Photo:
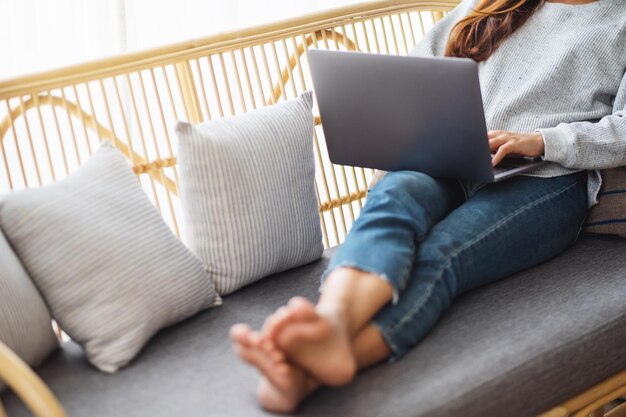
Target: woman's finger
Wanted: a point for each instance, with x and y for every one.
(495, 143)
(495, 133)
(501, 153)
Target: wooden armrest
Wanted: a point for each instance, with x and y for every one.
(27, 385)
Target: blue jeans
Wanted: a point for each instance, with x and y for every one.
(432, 239)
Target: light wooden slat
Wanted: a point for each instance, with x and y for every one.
(59, 135)
(30, 141)
(205, 101)
(421, 20)
(403, 33)
(226, 84)
(257, 73)
(170, 95)
(290, 67)
(141, 137)
(188, 92)
(188, 106)
(281, 80)
(242, 100)
(244, 61)
(379, 22)
(6, 161)
(414, 39)
(394, 38)
(82, 117)
(92, 108)
(68, 113)
(216, 89)
(107, 107)
(42, 126)
(11, 124)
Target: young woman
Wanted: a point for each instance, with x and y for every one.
(553, 84)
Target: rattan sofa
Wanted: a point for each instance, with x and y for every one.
(547, 341)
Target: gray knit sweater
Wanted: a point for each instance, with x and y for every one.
(562, 73)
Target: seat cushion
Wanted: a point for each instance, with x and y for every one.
(513, 348)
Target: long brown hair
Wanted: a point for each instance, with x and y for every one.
(478, 35)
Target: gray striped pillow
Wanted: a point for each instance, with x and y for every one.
(25, 324)
(247, 187)
(109, 268)
(609, 215)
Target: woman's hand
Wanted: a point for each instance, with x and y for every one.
(514, 144)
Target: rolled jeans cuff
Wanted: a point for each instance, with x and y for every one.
(367, 269)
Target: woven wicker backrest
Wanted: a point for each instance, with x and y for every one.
(50, 123)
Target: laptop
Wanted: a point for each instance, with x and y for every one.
(407, 113)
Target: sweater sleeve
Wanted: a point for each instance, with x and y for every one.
(587, 145)
(435, 41)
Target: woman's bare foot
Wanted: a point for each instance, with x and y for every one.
(283, 385)
(298, 309)
(286, 400)
(318, 341)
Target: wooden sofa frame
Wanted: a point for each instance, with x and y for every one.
(51, 122)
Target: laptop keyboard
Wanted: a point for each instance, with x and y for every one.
(500, 169)
(508, 163)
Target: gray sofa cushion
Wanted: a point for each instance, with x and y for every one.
(544, 334)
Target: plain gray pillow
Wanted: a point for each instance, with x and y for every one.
(25, 323)
(109, 268)
(248, 192)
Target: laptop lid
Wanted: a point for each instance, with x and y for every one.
(403, 113)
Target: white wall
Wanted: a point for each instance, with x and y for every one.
(37, 35)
